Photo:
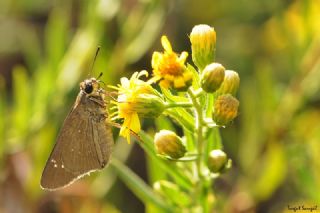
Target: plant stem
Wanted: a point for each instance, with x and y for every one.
(199, 127)
(202, 189)
(179, 104)
(198, 92)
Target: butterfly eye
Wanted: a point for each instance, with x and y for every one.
(88, 88)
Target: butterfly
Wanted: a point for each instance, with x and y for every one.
(85, 141)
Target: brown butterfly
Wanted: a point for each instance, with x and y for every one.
(85, 141)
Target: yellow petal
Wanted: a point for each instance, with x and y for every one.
(131, 123)
(179, 82)
(153, 79)
(143, 73)
(183, 57)
(156, 57)
(124, 132)
(169, 77)
(187, 76)
(135, 123)
(165, 84)
(124, 82)
(166, 44)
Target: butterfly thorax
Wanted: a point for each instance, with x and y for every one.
(91, 96)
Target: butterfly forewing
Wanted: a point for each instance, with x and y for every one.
(84, 144)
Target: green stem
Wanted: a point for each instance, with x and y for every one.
(198, 92)
(179, 104)
(203, 186)
(199, 127)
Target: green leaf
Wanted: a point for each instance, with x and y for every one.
(187, 158)
(190, 140)
(272, 172)
(181, 115)
(172, 193)
(154, 174)
(163, 122)
(21, 110)
(56, 34)
(146, 34)
(184, 118)
(213, 141)
(173, 98)
(196, 77)
(3, 120)
(138, 186)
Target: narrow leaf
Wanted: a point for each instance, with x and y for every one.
(138, 186)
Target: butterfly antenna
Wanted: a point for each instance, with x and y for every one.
(94, 60)
(100, 75)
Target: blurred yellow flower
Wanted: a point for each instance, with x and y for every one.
(170, 68)
(135, 97)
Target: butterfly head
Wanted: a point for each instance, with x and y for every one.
(90, 86)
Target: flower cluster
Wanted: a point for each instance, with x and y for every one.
(137, 98)
(200, 98)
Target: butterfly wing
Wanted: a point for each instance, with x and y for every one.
(84, 145)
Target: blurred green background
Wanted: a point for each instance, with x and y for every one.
(47, 47)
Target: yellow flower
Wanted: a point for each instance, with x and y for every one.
(170, 68)
(135, 97)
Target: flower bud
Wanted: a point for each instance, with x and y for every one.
(203, 44)
(225, 109)
(167, 143)
(230, 83)
(212, 77)
(217, 160)
(149, 105)
(146, 105)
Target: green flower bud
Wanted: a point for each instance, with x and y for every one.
(203, 45)
(217, 160)
(212, 77)
(230, 83)
(149, 105)
(167, 143)
(225, 109)
(146, 105)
